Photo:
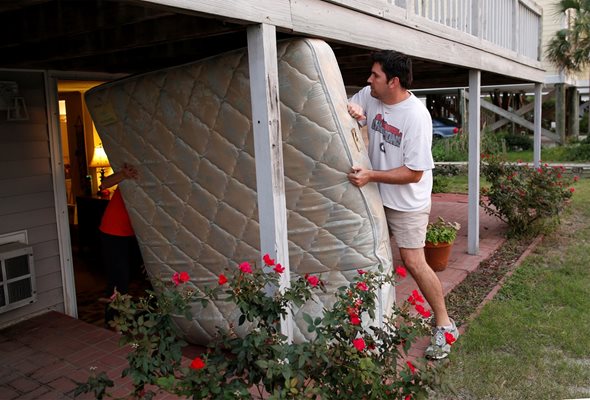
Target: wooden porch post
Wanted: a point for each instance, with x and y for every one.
(573, 120)
(537, 121)
(560, 111)
(268, 150)
(474, 157)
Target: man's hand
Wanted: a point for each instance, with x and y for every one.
(359, 176)
(356, 112)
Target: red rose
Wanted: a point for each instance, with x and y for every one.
(279, 269)
(245, 267)
(359, 344)
(184, 277)
(422, 311)
(268, 261)
(313, 280)
(450, 338)
(222, 279)
(197, 363)
(401, 271)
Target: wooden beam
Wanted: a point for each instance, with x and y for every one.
(129, 36)
(275, 12)
(521, 111)
(268, 151)
(332, 22)
(517, 119)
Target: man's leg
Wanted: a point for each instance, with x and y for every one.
(428, 283)
(409, 229)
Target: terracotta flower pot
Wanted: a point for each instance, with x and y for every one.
(437, 255)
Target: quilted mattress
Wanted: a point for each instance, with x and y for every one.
(194, 208)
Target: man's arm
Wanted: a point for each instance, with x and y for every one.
(397, 176)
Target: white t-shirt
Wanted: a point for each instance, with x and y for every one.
(400, 134)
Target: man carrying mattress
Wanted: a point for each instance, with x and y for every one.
(400, 140)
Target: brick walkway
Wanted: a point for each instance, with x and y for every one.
(43, 357)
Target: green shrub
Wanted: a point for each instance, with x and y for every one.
(578, 152)
(451, 149)
(518, 142)
(524, 197)
(493, 142)
(584, 124)
(350, 357)
(457, 147)
(440, 184)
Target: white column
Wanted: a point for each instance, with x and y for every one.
(537, 122)
(474, 157)
(268, 149)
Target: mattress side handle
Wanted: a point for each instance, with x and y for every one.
(355, 136)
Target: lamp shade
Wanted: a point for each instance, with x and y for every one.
(99, 158)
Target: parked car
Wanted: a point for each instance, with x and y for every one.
(444, 128)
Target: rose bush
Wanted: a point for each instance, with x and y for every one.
(350, 357)
(524, 197)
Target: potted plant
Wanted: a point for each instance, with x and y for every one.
(440, 236)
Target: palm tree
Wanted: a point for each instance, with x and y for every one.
(569, 49)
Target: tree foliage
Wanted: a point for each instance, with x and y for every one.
(570, 47)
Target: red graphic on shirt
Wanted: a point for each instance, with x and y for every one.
(390, 133)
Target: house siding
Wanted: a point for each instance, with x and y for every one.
(553, 22)
(27, 199)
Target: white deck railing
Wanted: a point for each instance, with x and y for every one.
(511, 24)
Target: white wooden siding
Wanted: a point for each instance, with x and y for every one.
(497, 26)
(530, 27)
(26, 192)
(510, 24)
(456, 14)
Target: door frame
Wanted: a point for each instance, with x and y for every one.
(59, 182)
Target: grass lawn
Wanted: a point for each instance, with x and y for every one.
(532, 341)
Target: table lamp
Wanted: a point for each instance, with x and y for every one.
(100, 160)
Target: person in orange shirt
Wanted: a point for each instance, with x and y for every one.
(120, 252)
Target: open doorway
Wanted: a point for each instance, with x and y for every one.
(83, 167)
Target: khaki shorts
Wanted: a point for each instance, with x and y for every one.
(408, 228)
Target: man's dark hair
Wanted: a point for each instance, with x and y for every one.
(395, 64)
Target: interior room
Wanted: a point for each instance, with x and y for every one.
(85, 164)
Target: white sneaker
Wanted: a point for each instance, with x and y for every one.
(439, 345)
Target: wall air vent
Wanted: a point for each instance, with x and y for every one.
(17, 276)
